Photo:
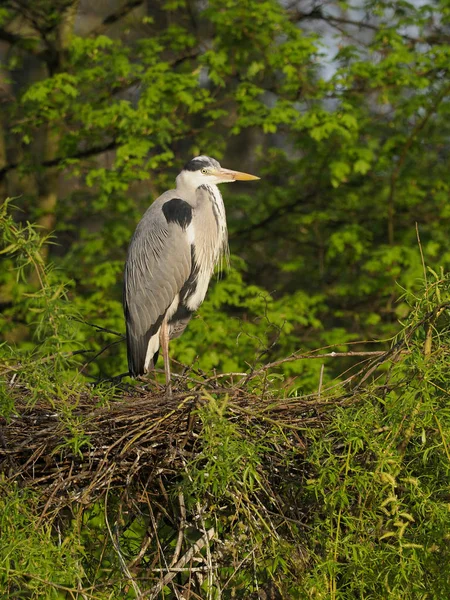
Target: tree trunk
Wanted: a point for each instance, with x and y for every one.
(48, 186)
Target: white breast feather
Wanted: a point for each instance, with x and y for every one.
(221, 245)
(190, 232)
(195, 299)
(209, 252)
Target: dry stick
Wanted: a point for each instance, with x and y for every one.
(161, 552)
(208, 553)
(152, 426)
(144, 547)
(309, 355)
(238, 566)
(181, 570)
(99, 353)
(395, 351)
(193, 550)
(423, 260)
(291, 357)
(320, 380)
(115, 544)
(59, 484)
(181, 529)
(99, 328)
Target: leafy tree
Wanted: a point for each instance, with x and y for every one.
(341, 108)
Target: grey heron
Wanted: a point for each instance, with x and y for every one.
(171, 258)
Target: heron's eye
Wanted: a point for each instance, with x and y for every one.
(205, 171)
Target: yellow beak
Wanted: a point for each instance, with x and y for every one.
(236, 175)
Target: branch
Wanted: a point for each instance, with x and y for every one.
(181, 529)
(99, 328)
(283, 210)
(24, 43)
(54, 162)
(317, 14)
(11, 38)
(274, 215)
(121, 12)
(193, 550)
(309, 356)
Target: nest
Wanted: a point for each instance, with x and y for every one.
(139, 436)
(140, 442)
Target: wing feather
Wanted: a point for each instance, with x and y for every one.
(158, 264)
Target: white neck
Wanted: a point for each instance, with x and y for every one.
(188, 182)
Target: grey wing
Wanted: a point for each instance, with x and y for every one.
(158, 264)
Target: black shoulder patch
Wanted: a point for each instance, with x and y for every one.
(178, 211)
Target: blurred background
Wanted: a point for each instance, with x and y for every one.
(342, 109)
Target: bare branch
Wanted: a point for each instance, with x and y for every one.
(11, 38)
(120, 13)
(181, 529)
(54, 162)
(276, 214)
(193, 550)
(438, 37)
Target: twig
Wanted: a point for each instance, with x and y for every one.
(311, 356)
(320, 380)
(193, 550)
(181, 529)
(144, 547)
(99, 328)
(115, 543)
(182, 570)
(99, 353)
(112, 18)
(208, 552)
(424, 269)
(160, 549)
(94, 151)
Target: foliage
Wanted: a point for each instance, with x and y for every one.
(339, 494)
(46, 308)
(345, 118)
(34, 563)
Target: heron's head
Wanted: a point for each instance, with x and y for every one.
(204, 170)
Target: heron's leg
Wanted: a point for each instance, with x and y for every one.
(164, 340)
